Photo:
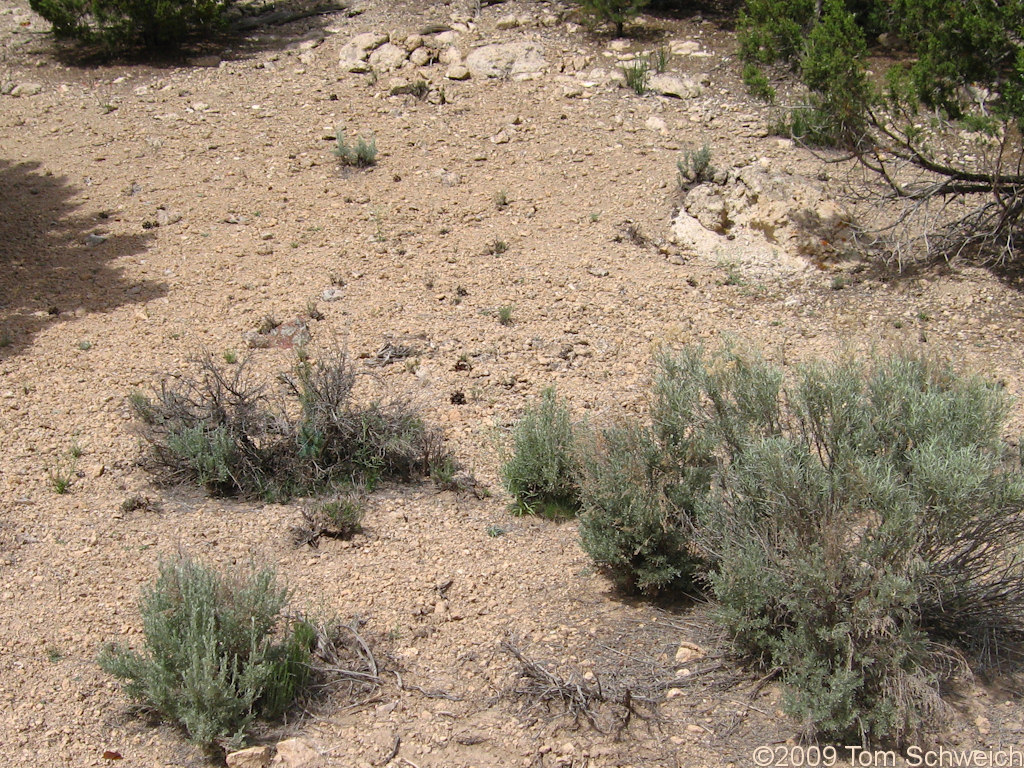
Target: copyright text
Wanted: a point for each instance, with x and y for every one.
(796, 756)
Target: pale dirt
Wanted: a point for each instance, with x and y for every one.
(101, 148)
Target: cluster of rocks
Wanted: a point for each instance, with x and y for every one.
(385, 54)
(405, 58)
(758, 213)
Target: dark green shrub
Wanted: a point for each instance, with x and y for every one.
(757, 83)
(542, 471)
(633, 525)
(122, 24)
(217, 654)
(614, 12)
(962, 63)
(221, 431)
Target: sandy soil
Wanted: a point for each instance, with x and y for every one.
(268, 221)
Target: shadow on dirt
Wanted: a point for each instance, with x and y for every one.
(52, 260)
(251, 28)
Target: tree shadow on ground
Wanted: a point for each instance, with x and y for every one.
(49, 270)
(252, 27)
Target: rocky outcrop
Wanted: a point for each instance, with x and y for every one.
(515, 61)
(759, 214)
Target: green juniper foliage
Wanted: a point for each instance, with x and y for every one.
(614, 12)
(949, 107)
(122, 24)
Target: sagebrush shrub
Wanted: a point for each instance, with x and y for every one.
(223, 431)
(869, 540)
(122, 24)
(217, 653)
(632, 524)
(859, 524)
(541, 473)
(695, 167)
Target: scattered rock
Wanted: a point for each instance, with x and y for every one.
(332, 293)
(501, 137)
(387, 58)
(354, 66)
(688, 652)
(412, 42)
(674, 85)
(458, 72)
(27, 89)
(254, 757)
(353, 55)
(758, 215)
(296, 753)
(655, 123)
(450, 55)
(94, 240)
(294, 333)
(684, 47)
(399, 86)
(708, 205)
(368, 41)
(518, 61)
(511, 21)
(165, 217)
(420, 57)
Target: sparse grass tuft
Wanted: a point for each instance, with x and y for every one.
(505, 315)
(339, 517)
(638, 74)
(498, 247)
(362, 155)
(660, 59)
(64, 469)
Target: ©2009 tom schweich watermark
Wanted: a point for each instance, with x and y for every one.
(796, 756)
